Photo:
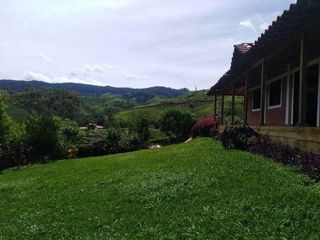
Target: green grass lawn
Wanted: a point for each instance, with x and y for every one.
(187, 191)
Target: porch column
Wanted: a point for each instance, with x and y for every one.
(222, 108)
(245, 104)
(303, 81)
(215, 104)
(232, 107)
(288, 101)
(318, 119)
(263, 93)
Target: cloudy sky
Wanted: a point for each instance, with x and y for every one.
(132, 43)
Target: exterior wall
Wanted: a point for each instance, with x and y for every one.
(273, 116)
(253, 116)
(307, 139)
(281, 116)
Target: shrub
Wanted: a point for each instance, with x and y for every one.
(15, 154)
(4, 122)
(141, 127)
(310, 163)
(92, 149)
(117, 140)
(69, 132)
(176, 124)
(42, 134)
(13, 150)
(206, 127)
(50, 138)
(245, 138)
(237, 137)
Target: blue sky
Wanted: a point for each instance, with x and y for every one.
(128, 43)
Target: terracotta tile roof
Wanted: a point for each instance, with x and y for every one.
(243, 48)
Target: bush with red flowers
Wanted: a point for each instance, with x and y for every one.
(206, 127)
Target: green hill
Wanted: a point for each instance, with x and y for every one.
(189, 191)
(97, 108)
(197, 103)
(141, 95)
(95, 102)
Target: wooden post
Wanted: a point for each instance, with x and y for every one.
(318, 119)
(215, 104)
(288, 102)
(263, 93)
(232, 107)
(222, 108)
(303, 81)
(245, 104)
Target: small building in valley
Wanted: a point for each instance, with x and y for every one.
(279, 77)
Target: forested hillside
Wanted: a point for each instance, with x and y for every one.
(82, 103)
(141, 95)
(197, 103)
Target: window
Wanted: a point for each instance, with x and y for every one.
(256, 98)
(275, 89)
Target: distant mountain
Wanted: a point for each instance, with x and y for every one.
(142, 95)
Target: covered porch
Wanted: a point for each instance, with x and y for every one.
(279, 79)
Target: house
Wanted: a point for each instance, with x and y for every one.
(279, 77)
(91, 126)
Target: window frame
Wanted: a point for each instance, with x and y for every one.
(281, 93)
(252, 99)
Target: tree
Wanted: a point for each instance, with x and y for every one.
(50, 137)
(142, 129)
(42, 135)
(49, 102)
(69, 132)
(177, 124)
(13, 151)
(4, 121)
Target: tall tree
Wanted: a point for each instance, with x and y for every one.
(49, 102)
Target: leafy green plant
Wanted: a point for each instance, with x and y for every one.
(309, 162)
(69, 132)
(117, 140)
(237, 137)
(142, 129)
(49, 102)
(177, 124)
(13, 150)
(50, 138)
(4, 122)
(42, 134)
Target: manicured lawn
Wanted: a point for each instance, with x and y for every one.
(188, 191)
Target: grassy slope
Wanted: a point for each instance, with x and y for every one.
(197, 103)
(195, 191)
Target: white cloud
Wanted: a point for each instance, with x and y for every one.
(259, 22)
(264, 26)
(29, 76)
(247, 24)
(92, 69)
(162, 42)
(44, 57)
(134, 77)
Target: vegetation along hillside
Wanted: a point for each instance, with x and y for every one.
(188, 191)
(100, 108)
(196, 102)
(93, 103)
(142, 94)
